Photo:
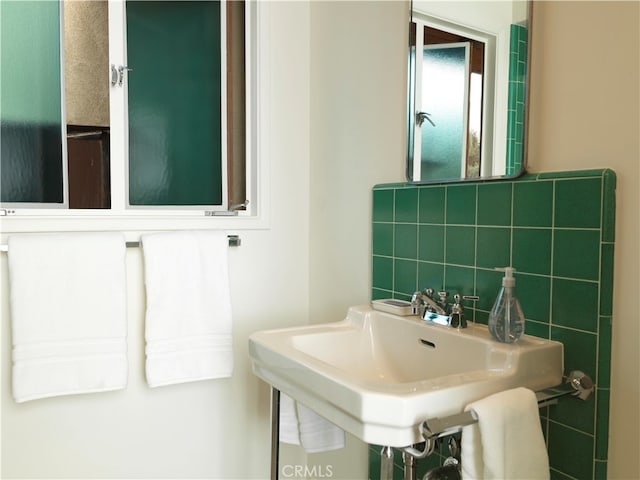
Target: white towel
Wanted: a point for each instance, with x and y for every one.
(507, 441)
(68, 313)
(302, 426)
(188, 318)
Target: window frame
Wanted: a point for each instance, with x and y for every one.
(18, 217)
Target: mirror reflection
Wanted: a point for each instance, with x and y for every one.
(466, 90)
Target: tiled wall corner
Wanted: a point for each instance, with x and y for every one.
(518, 42)
(557, 230)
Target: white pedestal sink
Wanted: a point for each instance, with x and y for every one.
(379, 375)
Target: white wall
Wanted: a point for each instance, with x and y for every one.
(358, 84)
(210, 429)
(585, 113)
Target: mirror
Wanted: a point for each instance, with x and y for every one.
(467, 90)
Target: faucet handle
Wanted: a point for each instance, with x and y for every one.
(467, 297)
(443, 296)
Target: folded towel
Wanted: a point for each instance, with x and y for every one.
(507, 441)
(68, 313)
(188, 317)
(302, 426)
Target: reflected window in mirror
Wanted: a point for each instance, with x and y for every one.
(447, 95)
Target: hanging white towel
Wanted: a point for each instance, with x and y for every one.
(68, 313)
(302, 426)
(507, 441)
(188, 317)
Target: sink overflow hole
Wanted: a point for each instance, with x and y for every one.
(427, 343)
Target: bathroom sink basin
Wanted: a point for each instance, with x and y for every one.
(378, 375)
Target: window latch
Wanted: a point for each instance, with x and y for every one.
(117, 74)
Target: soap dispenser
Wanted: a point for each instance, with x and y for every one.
(506, 320)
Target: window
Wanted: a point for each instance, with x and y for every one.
(446, 102)
(135, 108)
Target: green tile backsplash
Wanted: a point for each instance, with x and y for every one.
(557, 230)
(518, 42)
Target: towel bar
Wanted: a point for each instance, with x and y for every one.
(577, 385)
(234, 241)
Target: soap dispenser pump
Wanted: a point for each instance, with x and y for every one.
(506, 320)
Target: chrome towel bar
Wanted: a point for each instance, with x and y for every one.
(577, 384)
(234, 241)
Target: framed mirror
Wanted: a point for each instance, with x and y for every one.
(467, 90)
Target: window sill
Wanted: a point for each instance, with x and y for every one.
(89, 223)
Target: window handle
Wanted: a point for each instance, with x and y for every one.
(117, 74)
(422, 116)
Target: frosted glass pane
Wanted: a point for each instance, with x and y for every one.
(444, 97)
(175, 155)
(30, 117)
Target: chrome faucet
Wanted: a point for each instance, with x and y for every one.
(424, 305)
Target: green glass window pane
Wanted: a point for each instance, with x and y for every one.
(175, 155)
(30, 102)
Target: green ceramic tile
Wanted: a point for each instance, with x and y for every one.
(533, 204)
(488, 283)
(403, 296)
(604, 353)
(534, 293)
(570, 305)
(480, 316)
(374, 464)
(602, 423)
(532, 250)
(570, 451)
(575, 304)
(574, 413)
(600, 470)
(576, 254)
(431, 207)
(430, 275)
(556, 475)
(431, 243)
(493, 247)
(377, 294)
(609, 206)
(382, 273)
(406, 205)
(424, 465)
(494, 203)
(537, 329)
(382, 238)
(461, 204)
(391, 186)
(575, 174)
(527, 177)
(383, 205)
(579, 349)
(578, 203)
(458, 280)
(460, 245)
(606, 279)
(405, 274)
(405, 243)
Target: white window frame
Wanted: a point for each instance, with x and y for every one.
(58, 217)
